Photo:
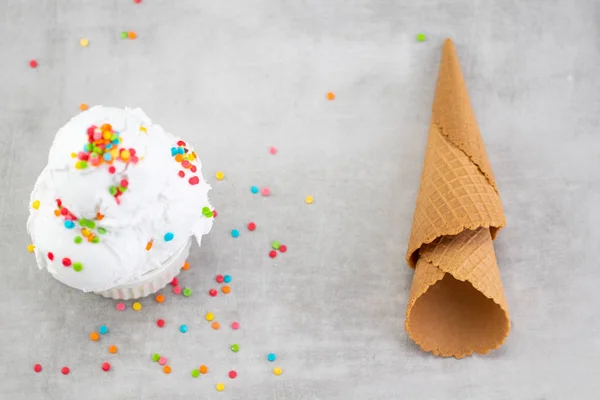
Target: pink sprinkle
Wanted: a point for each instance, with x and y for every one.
(193, 168)
(33, 64)
(97, 135)
(185, 164)
(181, 174)
(162, 361)
(194, 180)
(219, 278)
(120, 306)
(235, 326)
(273, 150)
(112, 169)
(265, 191)
(176, 289)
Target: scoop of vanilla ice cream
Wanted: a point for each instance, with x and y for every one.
(118, 197)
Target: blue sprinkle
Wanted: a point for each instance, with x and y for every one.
(173, 151)
(227, 279)
(183, 328)
(108, 146)
(235, 233)
(169, 236)
(254, 189)
(87, 147)
(116, 141)
(103, 329)
(271, 357)
(181, 150)
(107, 157)
(69, 224)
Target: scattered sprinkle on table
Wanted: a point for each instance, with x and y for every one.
(186, 266)
(235, 233)
(235, 326)
(84, 42)
(183, 328)
(112, 349)
(265, 191)
(421, 37)
(213, 292)
(219, 279)
(131, 35)
(330, 96)
(195, 373)
(149, 245)
(283, 248)
(94, 336)
(254, 189)
(220, 175)
(203, 369)
(187, 292)
(103, 329)
(232, 374)
(124, 35)
(251, 226)
(33, 64)
(308, 199)
(162, 361)
(271, 357)
(30, 248)
(137, 306)
(37, 368)
(272, 254)
(169, 236)
(275, 244)
(174, 282)
(155, 357)
(159, 298)
(277, 371)
(216, 326)
(226, 289)
(65, 370)
(177, 289)
(137, 1)
(220, 387)
(167, 369)
(235, 348)
(105, 367)
(273, 150)
(209, 316)
(83, 107)
(160, 323)
(227, 278)
(120, 306)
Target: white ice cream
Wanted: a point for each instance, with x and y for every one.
(158, 201)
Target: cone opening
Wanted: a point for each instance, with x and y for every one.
(452, 318)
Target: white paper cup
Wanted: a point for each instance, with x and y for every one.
(152, 281)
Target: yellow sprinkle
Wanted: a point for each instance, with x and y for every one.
(309, 199)
(220, 175)
(106, 135)
(84, 42)
(210, 316)
(30, 248)
(73, 155)
(277, 371)
(35, 204)
(143, 129)
(85, 232)
(220, 387)
(125, 155)
(137, 306)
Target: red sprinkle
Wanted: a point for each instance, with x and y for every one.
(37, 368)
(175, 282)
(232, 374)
(213, 292)
(65, 370)
(181, 143)
(124, 183)
(66, 262)
(112, 169)
(251, 226)
(58, 202)
(283, 248)
(181, 174)
(272, 254)
(185, 164)
(33, 64)
(64, 211)
(215, 214)
(194, 180)
(51, 256)
(193, 168)
(219, 279)
(160, 323)
(105, 366)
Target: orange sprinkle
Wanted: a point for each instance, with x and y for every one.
(186, 266)
(167, 369)
(330, 96)
(99, 216)
(83, 106)
(132, 35)
(225, 289)
(149, 245)
(57, 213)
(203, 369)
(94, 336)
(90, 238)
(159, 298)
(179, 157)
(215, 325)
(106, 127)
(112, 349)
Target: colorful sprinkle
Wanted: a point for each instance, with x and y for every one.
(220, 387)
(212, 292)
(195, 373)
(33, 64)
(103, 329)
(187, 292)
(275, 244)
(84, 42)
(155, 357)
(235, 348)
(421, 37)
(232, 374)
(235, 233)
(226, 289)
(123, 35)
(308, 199)
(94, 336)
(169, 236)
(66, 262)
(176, 289)
(273, 150)
(69, 224)
(65, 370)
(162, 361)
(149, 245)
(83, 107)
(37, 368)
(159, 298)
(194, 180)
(271, 357)
(186, 266)
(220, 175)
(330, 96)
(209, 316)
(219, 279)
(272, 254)
(277, 371)
(35, 204)
(132, 35)
(137, 306)
(283, 248)
(265, 191)
(227, 278)
(183, 328)
(167, 369)
(174, 282)
(251, 226)
(77, 267)
(203, 369)
(254, 189)
(112, 349)
(30, 247)
(160, 323)
(235, 326)
(215, 325)
(120, 307)
(50, 256)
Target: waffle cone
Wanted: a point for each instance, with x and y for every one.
(456, 304)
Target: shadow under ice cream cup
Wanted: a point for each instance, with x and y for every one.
(152, 281)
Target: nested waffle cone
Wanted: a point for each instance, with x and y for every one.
(456, 304)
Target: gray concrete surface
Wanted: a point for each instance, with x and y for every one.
(235, 77)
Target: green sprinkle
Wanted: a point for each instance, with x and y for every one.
(96, 239)
(421, 37)
(90, 224)
(155, 357)
(82, 164)
(83, 222)
(112, 190)
(195, 373)
(122, 189)
(77, 266)
(78, 239)
(123, 35)
(235, 348)
(187, 292)
(275, 245)
(88, 147)
(101, 230)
